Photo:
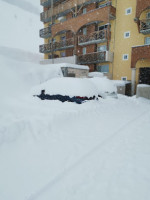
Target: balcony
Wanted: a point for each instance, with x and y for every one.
(95, 57)
(45, 33)
(47, 3)
(139, 53)
(45, 48)
(94, 38)
(64, 44)
(65, 7)
(57, 46)
(141, 5)
(145, 26)
(45, 16)
(74, 24)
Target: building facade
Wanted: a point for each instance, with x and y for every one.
(112, 36)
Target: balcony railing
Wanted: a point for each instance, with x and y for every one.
(145, 26)
(45, 33)
(45, 48)
(48, 2)
(95, 57)
(67, 6)
(95, 37)
(63, 44)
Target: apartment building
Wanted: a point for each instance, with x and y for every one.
(112, 36)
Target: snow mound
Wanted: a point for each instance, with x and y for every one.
(103, 85)
(67, 86)
(96, 74)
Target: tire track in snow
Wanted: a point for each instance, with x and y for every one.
(62, 175)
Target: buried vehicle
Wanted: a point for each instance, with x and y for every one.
(76, 90)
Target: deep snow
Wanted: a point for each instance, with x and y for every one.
(62, 151)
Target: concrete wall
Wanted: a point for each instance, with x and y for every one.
(71, 60)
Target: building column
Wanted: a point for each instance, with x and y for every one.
(133, 81)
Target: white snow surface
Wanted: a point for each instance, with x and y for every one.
(53, 150)
(143, 85)
(69, 65)
(67, 86)
(96, 74)
(62, 151)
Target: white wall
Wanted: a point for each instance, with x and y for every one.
(70, 59)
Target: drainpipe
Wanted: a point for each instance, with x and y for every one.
(75, 46)
(52, 24)
(133, 81)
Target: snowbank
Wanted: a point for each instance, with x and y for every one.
(103, 85)
(67, 86)
(96, 74)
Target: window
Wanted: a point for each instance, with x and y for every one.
(63, 38)
(103, 27)
(62, 19)
(148, 15)
(105, 4)
(125, 56)
(127, 34)
(147, 40)
(102, 48)
(54, 40)
(124, 78)
(84, 31)
(62, 54)
(128, 11)
(84, 10)
(84, 50)
(103, 68)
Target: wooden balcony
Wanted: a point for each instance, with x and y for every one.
(45, 33)
(94, 38)
(145, 26)
(45, 48)
(64, 44)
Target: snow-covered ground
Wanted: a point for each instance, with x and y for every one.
(62, 151)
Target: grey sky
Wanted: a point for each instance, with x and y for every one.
(32, 7)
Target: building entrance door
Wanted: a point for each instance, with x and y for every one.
(144, 76)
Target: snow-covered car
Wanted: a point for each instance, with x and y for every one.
(75, 89)
(106, 88)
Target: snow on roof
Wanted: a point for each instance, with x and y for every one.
(96, 74)
(120, 82)
(73, 66)
(143, 85)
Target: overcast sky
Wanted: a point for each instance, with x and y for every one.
(32, 6)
